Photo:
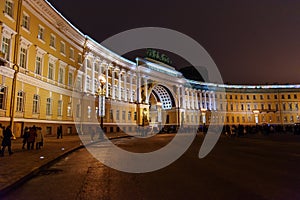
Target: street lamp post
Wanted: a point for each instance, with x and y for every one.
(101, 99)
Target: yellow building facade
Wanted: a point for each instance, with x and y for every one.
(49, 77)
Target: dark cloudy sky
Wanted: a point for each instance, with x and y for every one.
(252, 42)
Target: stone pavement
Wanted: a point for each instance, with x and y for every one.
(23, 163)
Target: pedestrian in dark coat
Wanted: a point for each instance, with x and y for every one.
(31, 138)
(25, 136)
(6, 141)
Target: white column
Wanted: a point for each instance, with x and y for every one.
(85, 74)
(192, 99)
(183, 102)
(106, 77)
(210, 100)
(178, 96)
(201, 103)
(214, 101)
(130, 88)
(138, 88)
(197, 102)
(146, 89)
(205, 100)
(188, 98)
(93, 78)
(125, 86)
(112, 87)
(119, 86)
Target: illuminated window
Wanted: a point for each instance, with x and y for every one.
(41, 33)
(89, 111)
(78, 110)
(69, 110)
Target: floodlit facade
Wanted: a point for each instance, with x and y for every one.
(49, 77)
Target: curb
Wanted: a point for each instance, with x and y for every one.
(35, 171)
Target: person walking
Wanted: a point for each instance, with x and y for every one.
(25, 136)
(6, 141)
(59, 132)
(39, 138)
(31, 138)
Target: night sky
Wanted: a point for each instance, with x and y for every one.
(251, 42)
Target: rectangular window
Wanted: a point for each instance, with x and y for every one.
(9, 8)
(262, 106)
(296, 106)
(275, 96)
(129, 115)
(89, 111)
(254, 97)
(79, 83)
(291, 106)
(20, 101)
(89, 63)
(289, 96)
(117, 115)
(79, 58)
(3, 97)
(71, 54)
(283, 106)
(6, 47)
(23, 57)
(49, 106)
(70, 79)
(135, 116)
(41, 33)
(78, 110)
(61, 75)
(247, 97)
(295, 96)
(36, 104)
(111, 114)
(282, 96)
(261, 97)
(25, 21)
(88, 83)
(269, 107)
(69, 110)
(59, 107)
(38, 65)
(52, 41)
(123, 115)
(51, 71)
(62, 47)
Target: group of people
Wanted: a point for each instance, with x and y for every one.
(33, 136)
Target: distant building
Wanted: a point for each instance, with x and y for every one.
(56, 70)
